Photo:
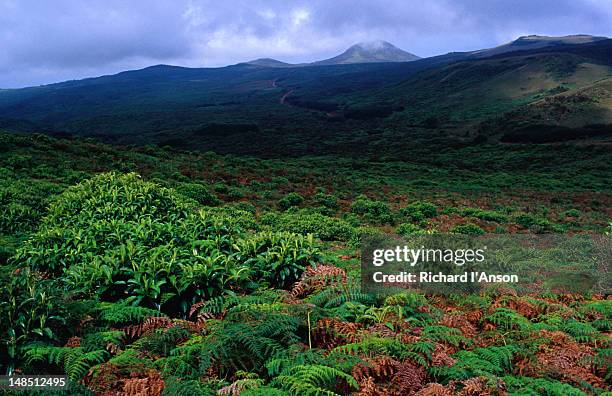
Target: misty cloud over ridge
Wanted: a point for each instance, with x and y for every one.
(43, 42)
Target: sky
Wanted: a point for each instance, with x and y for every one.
(50, 41)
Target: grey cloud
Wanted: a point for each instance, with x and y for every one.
(42, 42)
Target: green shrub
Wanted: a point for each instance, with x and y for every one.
(290, 200)
(302, 222)
(376, 212)
(362, 233)
(115, 236)
(468, 228)
(221, 188)
(419, 211)
(327, 200)
(536, 223)
(571, 213)
(278, 257)
(408, 229)
(198, 193)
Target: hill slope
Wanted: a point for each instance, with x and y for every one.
(347, 108)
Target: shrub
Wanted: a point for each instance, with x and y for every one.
(419, 211)
(408, 229)
(115, 235)
(468, 228)
(362, 233)
(328, 200)
(376, 212)
(301, 222)
(278, 257)
(198, 192)
(571, 213)
(536, 223)
(290, 200)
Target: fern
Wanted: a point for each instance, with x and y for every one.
(419, 352)
(448, 335)
(264, 391)
(312, 380)
(582, 332)
(74, 361)
(122, 313)
(526, 386)
(240, 344)
(486, 362)
(508, 319)
(336, 296)
(176, 387)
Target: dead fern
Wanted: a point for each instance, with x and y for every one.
(330, 332)
(151, 385)
(149, 324)
(314, 278)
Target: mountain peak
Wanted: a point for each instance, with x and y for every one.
(374, 45)
(370, 52)
(267, 62)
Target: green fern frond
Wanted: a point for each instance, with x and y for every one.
(312, 380)
(75, 361)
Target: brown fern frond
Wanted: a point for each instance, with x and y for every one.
(329, 332)
(195, 307)
(380, 369)
(113, 348)
(73, 342)
(151, 323)
(408, 378)
(441, 356)
(481, 386)
(238, 386)
(434, 389)
(151, 385)
(317, 277)
(461, 322)
(367, 387)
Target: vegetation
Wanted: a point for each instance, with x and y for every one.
(153, 270)
(144, 269)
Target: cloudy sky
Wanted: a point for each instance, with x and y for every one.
(57, 40)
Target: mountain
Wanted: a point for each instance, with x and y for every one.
(536, 42)
(561, 91)
(268, 62)
(369, 52)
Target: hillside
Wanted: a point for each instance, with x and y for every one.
(323, 109)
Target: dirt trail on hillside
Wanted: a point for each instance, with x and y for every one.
(283, 99)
